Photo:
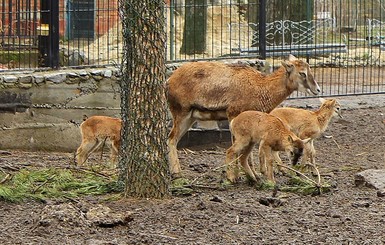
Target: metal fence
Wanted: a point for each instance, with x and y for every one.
(343, 40)
(79, 32)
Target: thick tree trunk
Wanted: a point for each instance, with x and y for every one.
(143, 158)
(294, 10)
(195, 27)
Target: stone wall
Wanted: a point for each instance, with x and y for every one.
(60, 98)
(59, 101)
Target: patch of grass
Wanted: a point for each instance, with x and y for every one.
(179, 187)
(225, 183)
(180, 182)
(17, 56)
(54, 183)
(303, 186)
(265, 185)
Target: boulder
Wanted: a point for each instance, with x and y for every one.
(373, 178)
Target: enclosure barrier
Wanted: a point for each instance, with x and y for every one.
(345, 53)
(284, 37)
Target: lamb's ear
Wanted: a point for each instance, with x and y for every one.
(292, 57)
(290, 139)
(322, 100)
(305, 141)
(288, 66)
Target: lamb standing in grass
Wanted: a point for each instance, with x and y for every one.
(309, 124)
(95, 131)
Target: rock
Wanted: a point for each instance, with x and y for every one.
(38, 79)
(69, 215)
(381, 193)
(373, 178)
(104, 217)
(96, 72)
(73, 75)
(270, 201)
(56, 77)
(77, 58)
(335, 215)
(216, 199)
(107, 73)
(25, 79)
(61, 215)
(72, 57)
(201, 206)
(10, 79)
(97, 78)
(361, 204)
(83, 73)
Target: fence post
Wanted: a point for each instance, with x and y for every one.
(49, 34)
(262, 29)
(309, 18)
(172, 28)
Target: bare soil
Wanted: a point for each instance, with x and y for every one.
(235, 215)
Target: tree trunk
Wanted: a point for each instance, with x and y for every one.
(143, 157)
(294, 10)
(195, 27)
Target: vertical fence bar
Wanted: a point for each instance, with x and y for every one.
(172, 31)
(2, 20)
(54, 33)
(49, 44)
(10, 17)
(262, 28)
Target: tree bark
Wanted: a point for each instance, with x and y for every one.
(143, 157)
(195, 27)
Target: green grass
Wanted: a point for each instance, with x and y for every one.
(265, 186)
(20, 56)
(180, 187)
(51, 183)
(56, 183)
(302, 186)
(295, 184)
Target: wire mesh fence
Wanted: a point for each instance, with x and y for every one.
(343, 40)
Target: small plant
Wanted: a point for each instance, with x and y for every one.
(303, 186)
(265, 185)
(181, 187)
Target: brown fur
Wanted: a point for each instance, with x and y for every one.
(217, 91)
(309, 124)
(252, 127)
(95, 131)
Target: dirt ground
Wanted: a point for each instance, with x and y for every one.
(235, 215)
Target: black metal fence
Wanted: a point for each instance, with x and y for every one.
(343, 40)
(59, 33)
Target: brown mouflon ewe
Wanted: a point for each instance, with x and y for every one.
(216, 91)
